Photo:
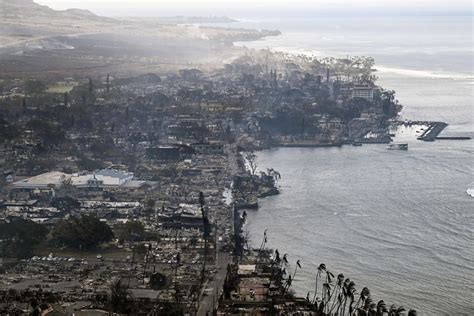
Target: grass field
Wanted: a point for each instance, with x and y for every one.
(61, 88)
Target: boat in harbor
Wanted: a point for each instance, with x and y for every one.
(356, 144)
(397, 147)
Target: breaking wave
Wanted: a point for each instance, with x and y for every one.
(425, 73)
(470, 189)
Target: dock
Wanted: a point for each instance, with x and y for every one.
(432, 132)
(453, 138)
(309, 144)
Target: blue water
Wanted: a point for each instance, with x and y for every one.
(398, 222)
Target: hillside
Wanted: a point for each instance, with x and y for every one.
(28, 9)
(37, 40)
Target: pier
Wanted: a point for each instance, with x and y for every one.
(310, 144)
(453, 138)
(432, 132)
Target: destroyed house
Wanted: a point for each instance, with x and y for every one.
(172, 152)
(208, 148)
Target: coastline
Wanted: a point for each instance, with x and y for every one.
(363, 229)
(426, 83)
(419, 147)
(362, 210)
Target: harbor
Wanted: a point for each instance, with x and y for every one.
(427, 131)
(433, 130)
(386, 203)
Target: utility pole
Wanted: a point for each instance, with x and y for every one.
(216, 253)
(131, 263)
(266, 61)
(147, 256)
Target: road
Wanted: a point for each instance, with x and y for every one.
(213, 289)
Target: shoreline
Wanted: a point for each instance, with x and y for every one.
(269, 206)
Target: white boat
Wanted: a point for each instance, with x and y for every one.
(397, 147)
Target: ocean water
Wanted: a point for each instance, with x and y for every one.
(429, 61)
(398, 222)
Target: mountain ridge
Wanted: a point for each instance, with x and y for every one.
(22, 9)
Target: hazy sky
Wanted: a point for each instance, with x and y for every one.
(216, 7)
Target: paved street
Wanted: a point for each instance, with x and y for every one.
(213, 289)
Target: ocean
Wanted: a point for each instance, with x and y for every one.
(427, 60)
(398, 222)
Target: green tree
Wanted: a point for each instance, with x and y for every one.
(66, 203)
(89, 164)
(34, 87)
(7, 130)
(130, 231)
(19, 237)
(86, 232)
(50, 134)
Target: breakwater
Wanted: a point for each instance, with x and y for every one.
(309, 144)
(432, 132)
(453, 138)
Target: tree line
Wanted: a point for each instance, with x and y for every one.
(19, 238)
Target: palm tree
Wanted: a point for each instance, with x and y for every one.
(327, 290)
(274, 174)
(396, 310)
(348, 291)
(291, 278)
(275, 264)
(264, 240)
(298, 265)
(262, 245)
(338, 289)
(364, 296)
(321, 269)
(342, 297)
(277, 259)
(281, 271)
(381, 308)
(287, 284)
